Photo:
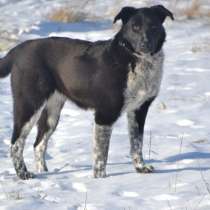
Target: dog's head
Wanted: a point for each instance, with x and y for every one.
(143, 28)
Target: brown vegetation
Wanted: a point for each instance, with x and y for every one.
(65, 14)
(193, 9)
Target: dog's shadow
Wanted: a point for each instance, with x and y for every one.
(62, 171)
(195, 156)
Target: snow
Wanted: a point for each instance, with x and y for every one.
(185, 123)
(129, 194)
(177, 127)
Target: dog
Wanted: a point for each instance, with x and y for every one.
(110, 77)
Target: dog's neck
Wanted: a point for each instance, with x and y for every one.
(127, 49)
(123, 53)
(126, 46)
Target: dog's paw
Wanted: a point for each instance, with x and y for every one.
(26, 175)
(41, 169)
(99, 173)
(145, 169)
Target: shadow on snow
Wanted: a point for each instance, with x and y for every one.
(45, 28)
(174, 158)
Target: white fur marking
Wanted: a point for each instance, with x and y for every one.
(18, 147)
(144, 81)
(53, 106)
(40, 151)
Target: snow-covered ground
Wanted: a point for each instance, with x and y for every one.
(177, 129)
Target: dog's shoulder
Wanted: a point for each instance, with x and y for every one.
(97, 49)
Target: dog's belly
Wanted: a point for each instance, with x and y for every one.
(143, 82)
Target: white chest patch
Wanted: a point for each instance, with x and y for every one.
(144, 81)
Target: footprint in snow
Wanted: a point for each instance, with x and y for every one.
(207, 94)
(79, 187)
(185, 123)
(187, 161)
(87, 206)
(129, 194)
(181, 185)
(165, 197)
(50, 198)
(83, 174)
(196, 70)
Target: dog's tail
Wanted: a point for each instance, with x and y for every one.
(5, 65)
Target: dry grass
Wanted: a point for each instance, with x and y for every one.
(66, 15)
(73, 13)
(6, 41)
(196, 49)
(203, 45)
(113, 11)
(194, 9)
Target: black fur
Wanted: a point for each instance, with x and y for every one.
(141, 114)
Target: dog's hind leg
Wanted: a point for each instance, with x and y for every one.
(31, 87)
(24, 119)
(46, 126)
(136, 121)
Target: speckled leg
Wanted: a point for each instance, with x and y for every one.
(102, 134)
(136, 121)
(17, 156)
(22, 127)
(40, 146)
(46, 126)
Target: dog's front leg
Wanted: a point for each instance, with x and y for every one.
(102, 134)
(136, 121)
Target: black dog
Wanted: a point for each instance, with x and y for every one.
(119, 75)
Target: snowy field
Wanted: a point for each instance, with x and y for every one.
(177, 136)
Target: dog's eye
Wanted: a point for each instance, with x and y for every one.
(136, 28)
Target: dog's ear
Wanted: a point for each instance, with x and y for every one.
(162, 12)
(125, 14)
